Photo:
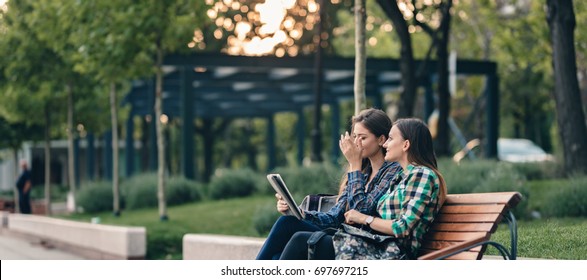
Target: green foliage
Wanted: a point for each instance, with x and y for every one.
(181, 190)
(504, 178)
(567, 199)
(163, 243)
(141, 191)
(113, 31)
(14, 134)
(233, 183)
(58, 192)
(30, 86)
(541, 193)
(264, 218)
(486, 176)
(540, 170)
(520, 45)
(94, 197)
(466, 176)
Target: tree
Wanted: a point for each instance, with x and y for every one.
(360, 56)
(58, 15)
(570, 116)
(407, 63)
(30, 94)
(173, 26)
(440, 40)
(116, 33)
(514, 35)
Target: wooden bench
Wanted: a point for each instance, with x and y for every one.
(464, 226)
(461, 231)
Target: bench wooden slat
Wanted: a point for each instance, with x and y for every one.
(473, 209)
(454, 236)
(436, 245)
(510, 198)
(487, 227)
(466, 218)
(467, 255)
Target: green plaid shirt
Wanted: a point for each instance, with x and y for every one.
(412, 206)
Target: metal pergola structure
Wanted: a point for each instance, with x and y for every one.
(203, 85)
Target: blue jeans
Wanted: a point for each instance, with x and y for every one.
(297, 247)
(281, 232)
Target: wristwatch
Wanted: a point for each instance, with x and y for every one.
(369, 220)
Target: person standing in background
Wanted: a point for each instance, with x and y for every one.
(23, 185)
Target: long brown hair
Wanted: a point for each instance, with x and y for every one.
(378, 123)
(421, 149)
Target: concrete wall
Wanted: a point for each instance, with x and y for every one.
(220, 247)
(94, 241)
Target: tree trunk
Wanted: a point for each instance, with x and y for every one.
(70, 160)
(360, 55)
(47, 162)
(444, 98)
(114, 122)
(570, 115)
(407, 64)
(160, 140)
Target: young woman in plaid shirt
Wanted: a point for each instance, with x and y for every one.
(407, 211)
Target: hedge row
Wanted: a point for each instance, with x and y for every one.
(470, 176)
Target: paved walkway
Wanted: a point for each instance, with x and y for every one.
(15, 248)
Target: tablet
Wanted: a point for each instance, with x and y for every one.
(279, 186)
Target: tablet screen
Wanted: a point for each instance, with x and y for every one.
(279, 186)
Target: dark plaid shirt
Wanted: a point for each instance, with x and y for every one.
(412, 206)
(358, 198)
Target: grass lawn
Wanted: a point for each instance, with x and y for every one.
(549, 239)
(563, 238)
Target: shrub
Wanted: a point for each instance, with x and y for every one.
(233, 183)
(164, 244)
(181, 190)
(487, 176)
(58, 192)
(568, 199)
(95, 197)
(466, 176)
(539, 170)
(141, 191)
(264, 218)
(504, 178)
